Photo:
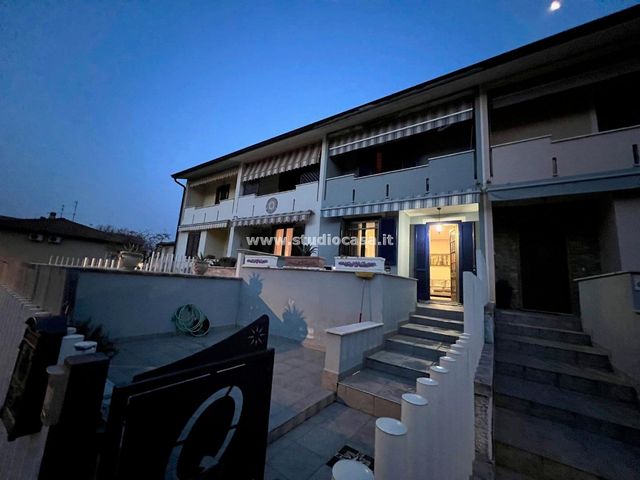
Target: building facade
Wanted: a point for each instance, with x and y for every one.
(530, 156)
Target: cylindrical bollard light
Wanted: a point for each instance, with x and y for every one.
(86, 347)
(414, 416)
(67, 346)
(468, 408)
(441, 375)
(428, 388)
(390, 449)
(350, 470)
(453, 442)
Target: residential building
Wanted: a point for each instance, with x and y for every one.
(39, 239)
(531, 156)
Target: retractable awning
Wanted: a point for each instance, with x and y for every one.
(396, 205)
(405, 126)
(292, 217)
(214, 177)
(198, 227)
(299, 158)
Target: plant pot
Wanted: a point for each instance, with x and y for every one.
(200, 268)
(130, 260)
(305, 262)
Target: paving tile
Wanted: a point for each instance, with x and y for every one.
(323, 441)
(296, 462)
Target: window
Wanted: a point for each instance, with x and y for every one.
(222, 193)
(193, 242)
(251, 187)
(284, 239)
(363, 238)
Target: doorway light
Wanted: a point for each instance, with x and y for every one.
(439, 225)
(555, 5)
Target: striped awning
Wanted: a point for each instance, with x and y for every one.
(198, 227)
(292, 217)
(214, 177)
(441, 200)
(301, 157)
(404, 126)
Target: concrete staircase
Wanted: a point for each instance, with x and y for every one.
(560, 409)
(388, 373)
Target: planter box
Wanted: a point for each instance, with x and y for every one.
(360, 264)
(260, 261)
(306, 262)
(221, 272)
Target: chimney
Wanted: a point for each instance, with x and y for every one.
(52, 215)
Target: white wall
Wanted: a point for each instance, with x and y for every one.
(302, 303)
(132, 304)
(181, 243)
(606, 306)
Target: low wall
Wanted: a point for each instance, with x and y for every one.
(19, 459)
(137, 303)
(611, 317)
(302, 303)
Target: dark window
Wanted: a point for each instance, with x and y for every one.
(617, 103)
(251, 187)
(363, 238)
(222, 193)
(193, 242)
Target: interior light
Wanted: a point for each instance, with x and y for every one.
(439, 228)
(555, 5)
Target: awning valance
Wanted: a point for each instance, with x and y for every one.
(198, 227)
(292, 217)
(395, 205)
(301, 157)
(405, 126)
(214, 177)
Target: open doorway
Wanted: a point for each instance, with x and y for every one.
(443, 261)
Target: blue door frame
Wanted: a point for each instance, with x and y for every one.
(466, 259)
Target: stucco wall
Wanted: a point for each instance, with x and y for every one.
(606, 304)
(17, 245)
(132, 304)
(303, 303)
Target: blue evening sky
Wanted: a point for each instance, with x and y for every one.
(101, 101)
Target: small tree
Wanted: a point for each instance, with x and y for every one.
(148, 241)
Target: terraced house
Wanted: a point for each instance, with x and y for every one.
(532, 158)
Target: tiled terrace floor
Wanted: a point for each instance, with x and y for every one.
(302, 453)
(296, 395)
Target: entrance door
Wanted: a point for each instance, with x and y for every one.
(545, 273)
(442, 251)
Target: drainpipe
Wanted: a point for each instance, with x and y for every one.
(184, 192)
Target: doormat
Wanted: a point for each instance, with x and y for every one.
(350, 453)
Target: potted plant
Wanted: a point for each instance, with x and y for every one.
(304, 257)
(201, 264)
(130, 256)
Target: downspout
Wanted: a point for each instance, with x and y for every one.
(184, 192)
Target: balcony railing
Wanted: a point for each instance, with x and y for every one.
(541, 158)
(303, 197)
(213, 213)
(441, 174)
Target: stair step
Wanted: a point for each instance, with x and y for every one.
(374, 392)
(546, 333)
(585, 355)
(431, 333)
(613, 419)
(536, 319)
(587, 380)
(399, 364)
(543, 449)
(450, 312)
(417, 347)
(438, 322)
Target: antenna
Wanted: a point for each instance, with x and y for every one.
(75, 208)
(62, 211)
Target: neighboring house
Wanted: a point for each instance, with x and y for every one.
(166, 248)
(39, 239)
(531, 156)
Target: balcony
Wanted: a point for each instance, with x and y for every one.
(212, 213)
(447, 173)
(303, 197)
(539, 159)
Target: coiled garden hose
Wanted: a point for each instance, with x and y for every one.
(190, 319)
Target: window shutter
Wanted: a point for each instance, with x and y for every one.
(387, 227)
